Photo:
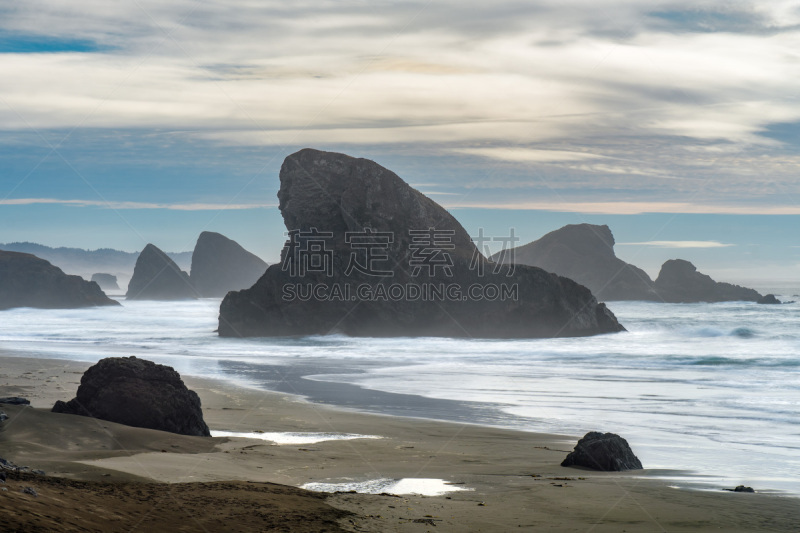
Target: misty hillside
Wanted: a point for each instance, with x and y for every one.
(87, 262)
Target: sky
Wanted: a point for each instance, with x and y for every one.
(676, 123)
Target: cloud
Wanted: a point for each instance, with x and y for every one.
(135, 205)
(527, 154)
(439, 193)
(214, 66)
(628, 208)
(678, 244)
(679, 101)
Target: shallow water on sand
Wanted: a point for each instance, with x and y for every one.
(398, 487)
(708, 388)
(290, 438)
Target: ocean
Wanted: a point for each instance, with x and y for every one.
(708, 395)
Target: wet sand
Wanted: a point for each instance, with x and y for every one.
(515, 477)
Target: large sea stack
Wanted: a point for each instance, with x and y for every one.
(27, 281)
(220, 265)
(137, 393)
(370, 256)
(157, 277)
(680, 282)
(585, 253)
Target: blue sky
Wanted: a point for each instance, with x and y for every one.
(676, 123)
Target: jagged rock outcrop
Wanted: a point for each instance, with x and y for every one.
(15, 400)
(585, 253)
(741, 488)
(27, 281)
(220, 264)
(107, 282)
(603, 451)
(138, 393)
(769, 299)
(370, 256)
(680, 282)
(157, 277)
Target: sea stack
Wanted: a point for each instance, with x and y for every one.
(220, 264)
(157, 277)
(27, 281)
(585, 253)
(680, 282)
(769, 299)
(107, 282)
(368, 255)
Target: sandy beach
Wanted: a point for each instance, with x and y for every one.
(143, 479)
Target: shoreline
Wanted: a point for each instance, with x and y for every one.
(298, 380)
(671, 388)
(349, 397)
(316, 395)
(515, 476)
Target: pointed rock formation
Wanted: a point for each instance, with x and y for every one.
(585, 253)
(157, 277)
(370, 256)
(27, 281)
(107, 282)
(680, 282)
(220, 265)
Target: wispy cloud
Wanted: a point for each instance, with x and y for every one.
(629, 208)
(347, 67)
(135, 205)
(678, 244)
(518, 154)
(674, 101)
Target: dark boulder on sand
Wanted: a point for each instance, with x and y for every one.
(585, 253)
(603, 451)
(680, 282)
(27, 281)
(157, 277)
(368, 255)
(15, 400)
(107, 282)
(220, 265)
(138, 393)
